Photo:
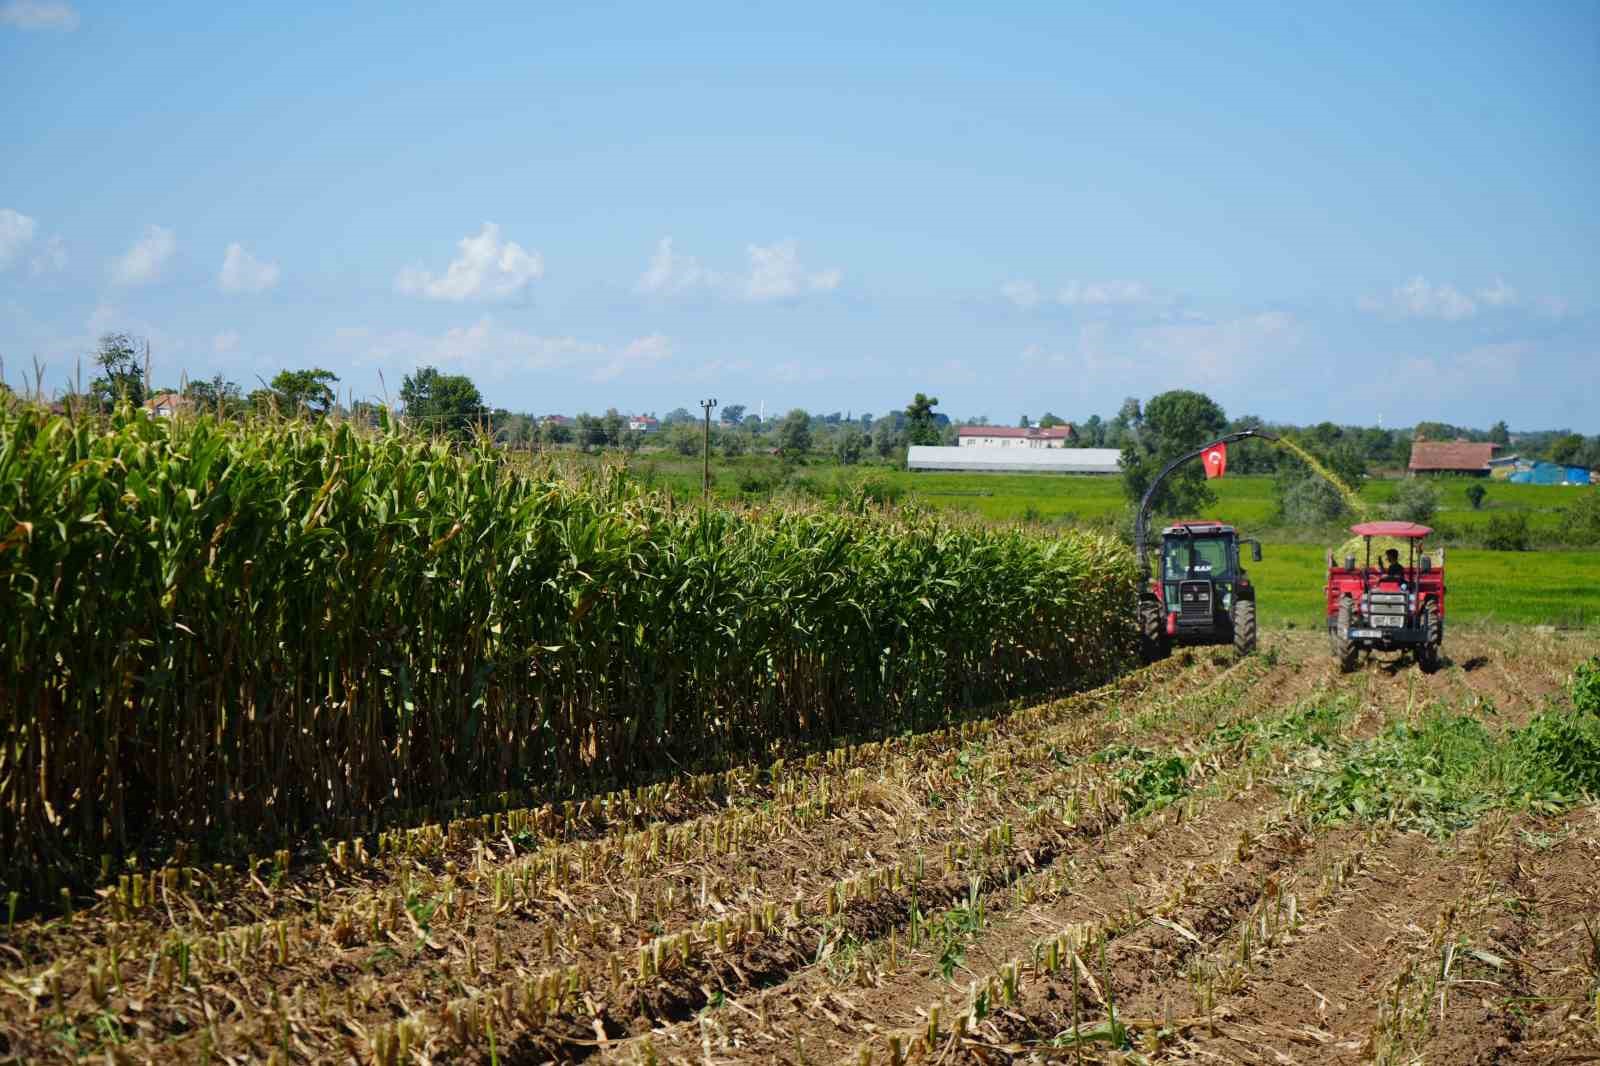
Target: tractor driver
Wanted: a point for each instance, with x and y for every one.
(1392, 570)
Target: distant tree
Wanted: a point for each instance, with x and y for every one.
(732, 414)
(218, 396)
(447, 404)
(1475, 494)
(794, 432)
(684, 438)
(304, 391)
(921, 427)
(866, 422)
(1499, 434)
(589, 432)
(733, 444)
(849, 444)
(1092, 433)
(615, 426)
(1591, 454)
(1437, 431)
(1414, 500)
(1050, 421)
(1566, 448)
(1310, 501)
(675, 416)
(121, 361)
(552, 432)
(885, 437)
(1171, 424)
(1023, 422)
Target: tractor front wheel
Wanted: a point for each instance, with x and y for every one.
(1433, 627)
(1244, 627)
(1152, 637)
(1345, 649)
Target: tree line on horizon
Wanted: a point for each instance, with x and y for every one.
(453, 405)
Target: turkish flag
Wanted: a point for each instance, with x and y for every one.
(1215, 459)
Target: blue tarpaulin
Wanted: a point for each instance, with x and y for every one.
(1551, 474)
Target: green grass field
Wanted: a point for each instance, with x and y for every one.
(1245, 500)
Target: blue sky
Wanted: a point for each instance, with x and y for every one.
(1379, 210)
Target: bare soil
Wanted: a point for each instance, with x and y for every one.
(979, 894)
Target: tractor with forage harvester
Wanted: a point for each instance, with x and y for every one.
(1398, 607)
(1199, 592)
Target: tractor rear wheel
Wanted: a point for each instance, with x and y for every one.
(1152, 638)
(1345, 649)
(1244, 627)
(1433, 628)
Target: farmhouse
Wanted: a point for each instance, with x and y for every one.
(643, 424)
(167, 404)
(1054, 460)
(1450, 457)
(1014, 437)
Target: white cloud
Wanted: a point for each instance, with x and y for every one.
(669, 272)
(51, 259)
(1500, 295)
(1190, 353)
(1104, 294)
(1420, 298)
(1025, 294)
(487, 269)
(1094, 295)
(225, 342)
(148, 257)
(39, 15)
(776, 274)
(16, 230)
(487, 348)
(642, 354)
(243, 272)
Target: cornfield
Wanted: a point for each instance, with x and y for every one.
(225, 634)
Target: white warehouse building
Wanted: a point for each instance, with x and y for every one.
(1045, 459)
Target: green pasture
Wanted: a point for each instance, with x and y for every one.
(1536, 588)
(1245, 500)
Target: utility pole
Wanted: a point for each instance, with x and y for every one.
(705, 452)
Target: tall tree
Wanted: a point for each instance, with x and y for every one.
(733, 414)
(120, 360)
(1092, 434)
(447, 404)
(921, 425)
(1499, 433)
(1172, 423)
(794, 432)
(304, 391)
(219, 396)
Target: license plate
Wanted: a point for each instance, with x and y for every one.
(1366, 632)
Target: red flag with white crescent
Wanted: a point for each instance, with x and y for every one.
(1215, 459)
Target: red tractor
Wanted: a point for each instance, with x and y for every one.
(1375, 606)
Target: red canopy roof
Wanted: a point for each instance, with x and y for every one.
(1390, 529)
